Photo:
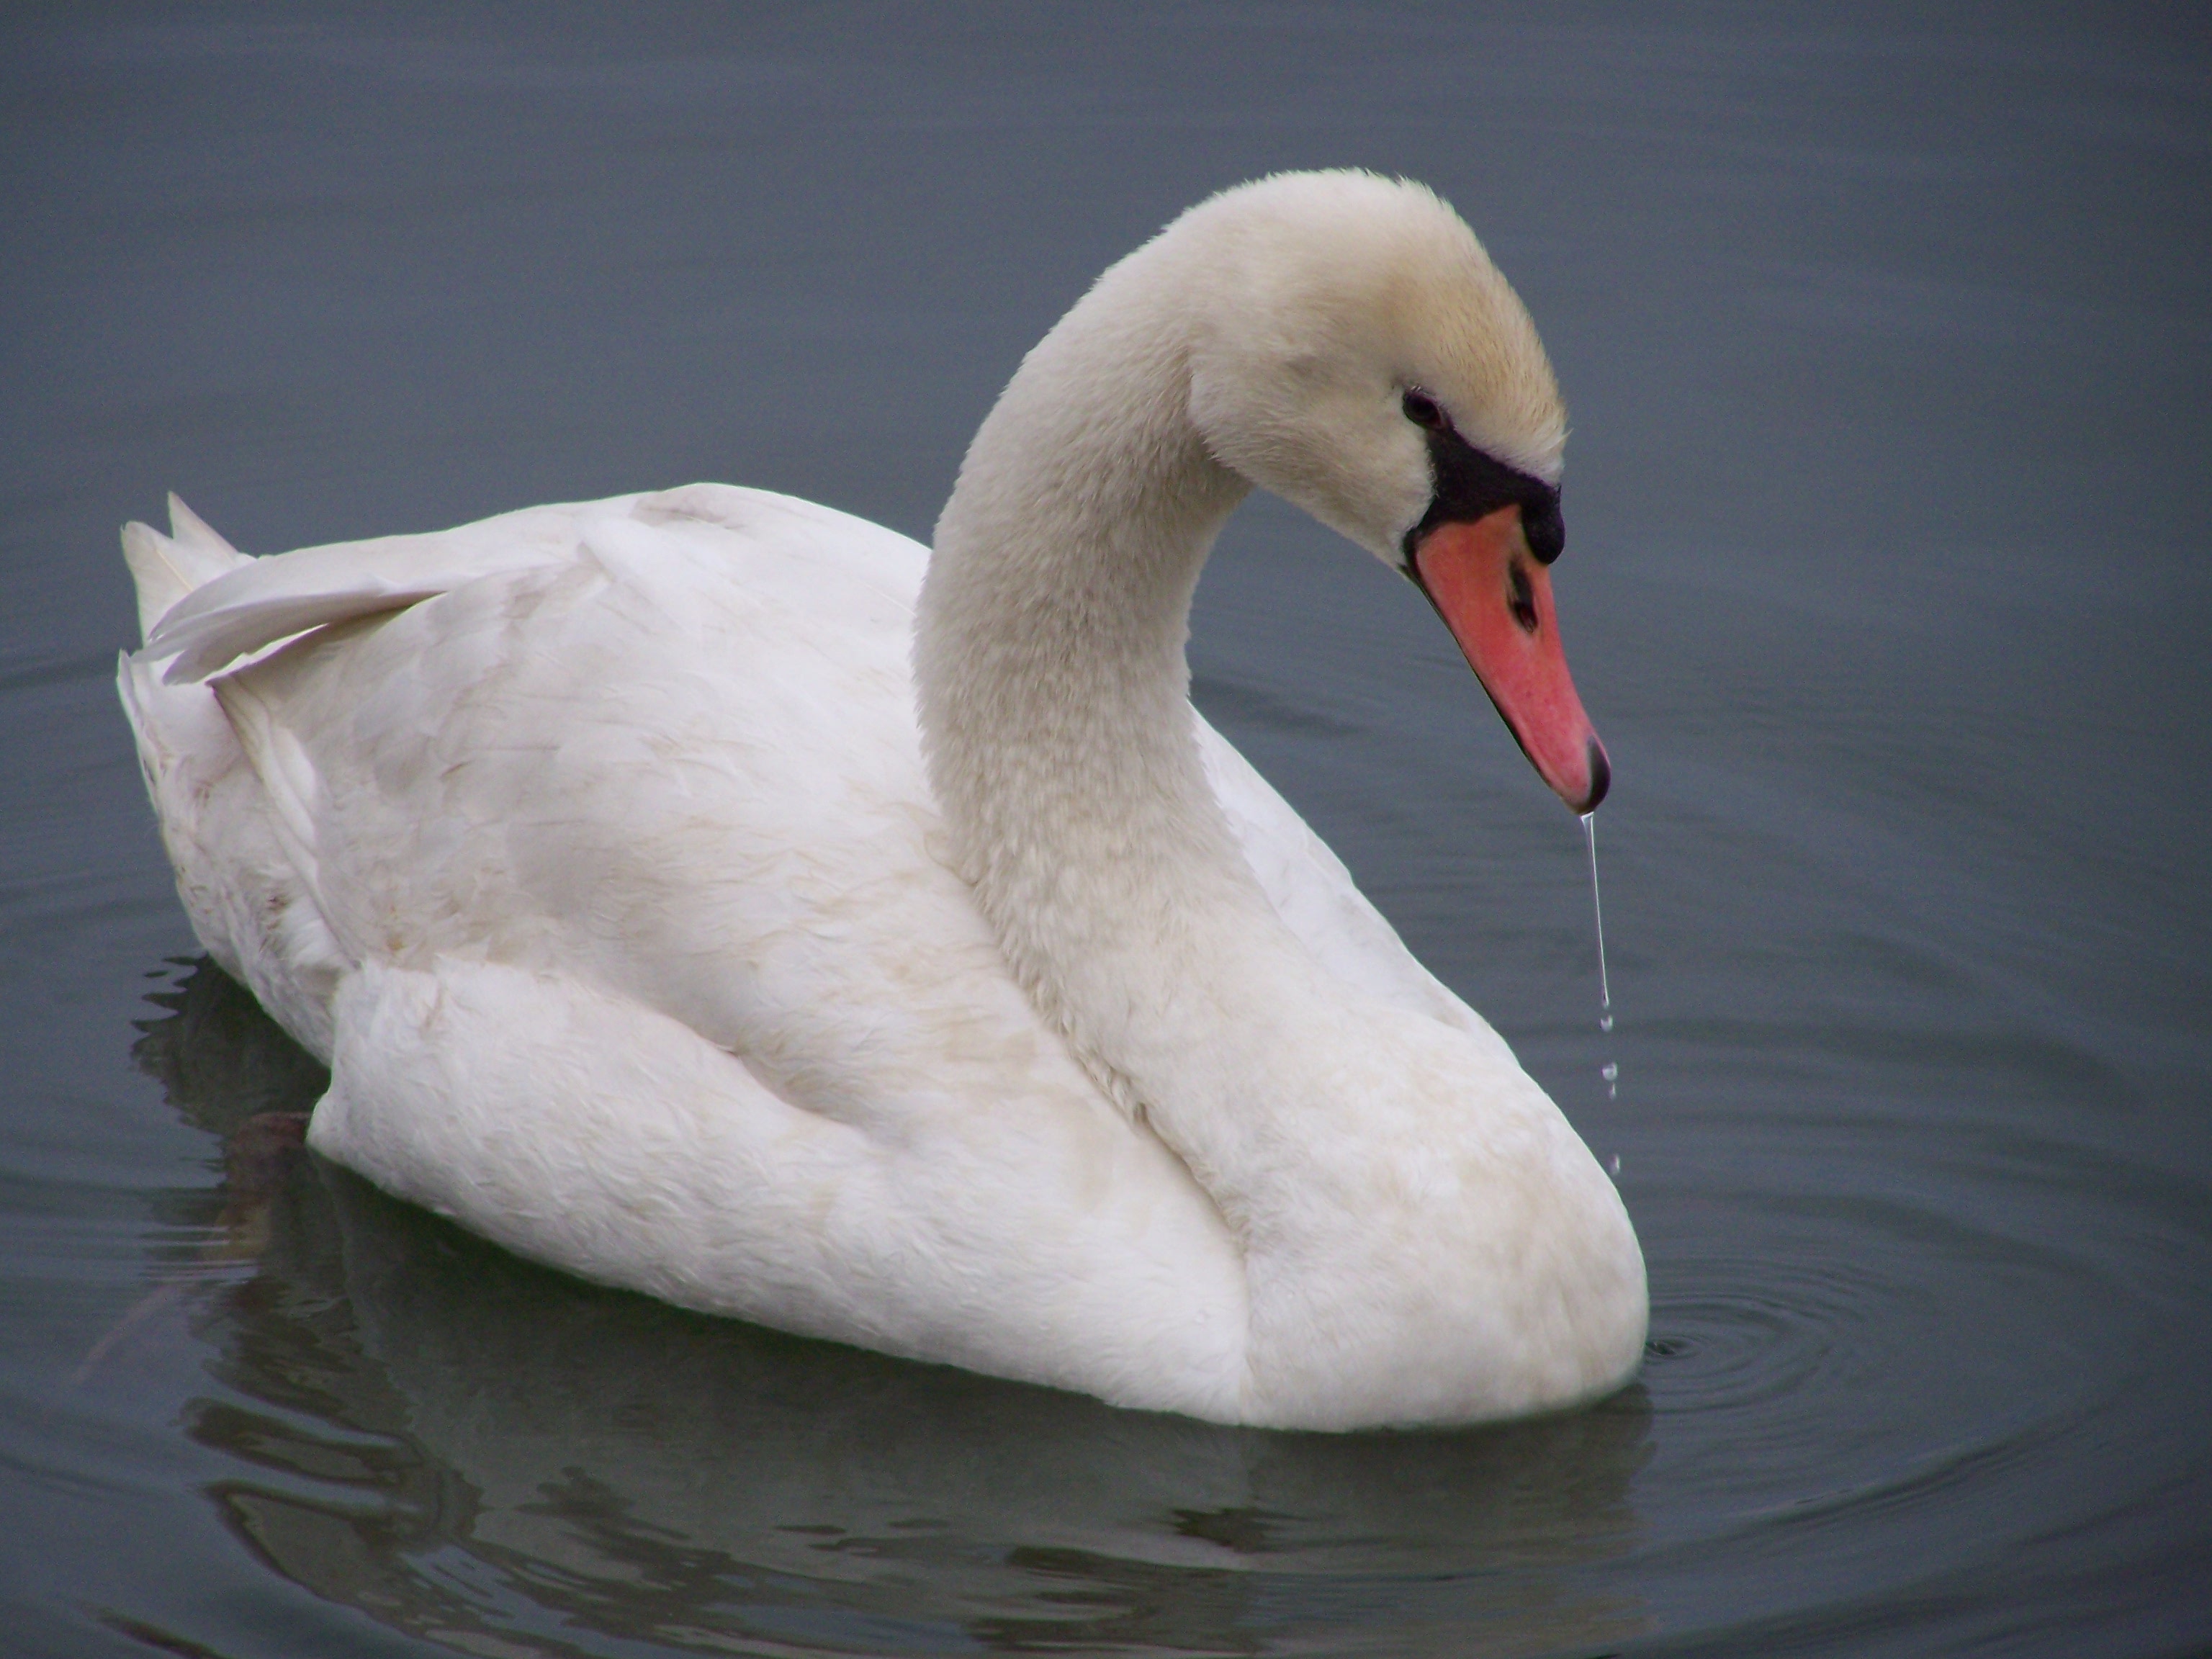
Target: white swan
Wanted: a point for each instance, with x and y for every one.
(658, 924)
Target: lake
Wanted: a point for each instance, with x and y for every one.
(1887, 339)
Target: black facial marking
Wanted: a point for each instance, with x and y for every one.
(1471, 485)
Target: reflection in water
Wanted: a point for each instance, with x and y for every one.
(506, 1461)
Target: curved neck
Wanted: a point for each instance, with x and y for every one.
(1054, 700)
(1054, 694)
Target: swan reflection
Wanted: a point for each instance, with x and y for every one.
(489, 1456)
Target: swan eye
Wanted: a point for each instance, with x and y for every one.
(1422, 410)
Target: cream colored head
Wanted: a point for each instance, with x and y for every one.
(1319, 298)
(1269, 337)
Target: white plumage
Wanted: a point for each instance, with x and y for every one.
(595, 848)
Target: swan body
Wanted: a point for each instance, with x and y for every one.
(714, 895)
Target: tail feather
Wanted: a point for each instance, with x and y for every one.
(166, 568)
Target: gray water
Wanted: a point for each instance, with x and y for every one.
(1887, 346)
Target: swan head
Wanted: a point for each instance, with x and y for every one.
(1354, 350)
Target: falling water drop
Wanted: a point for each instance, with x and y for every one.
(1597, 909)
(1611, 1070)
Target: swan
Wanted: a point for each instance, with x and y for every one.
(711, 894)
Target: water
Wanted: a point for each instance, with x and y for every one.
(1886, 341)
(1611, 1070)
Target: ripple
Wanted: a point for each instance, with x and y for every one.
(1893, 1358)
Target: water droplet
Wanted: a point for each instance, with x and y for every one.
(1597, 911)
(1616, 1166)
(1609, 1071)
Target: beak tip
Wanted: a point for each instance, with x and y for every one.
(1601, 776)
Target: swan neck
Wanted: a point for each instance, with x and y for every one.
(1052, 685)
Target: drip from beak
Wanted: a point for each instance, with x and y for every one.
(1497, 600)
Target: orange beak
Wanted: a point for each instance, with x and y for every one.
(1497, 600)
